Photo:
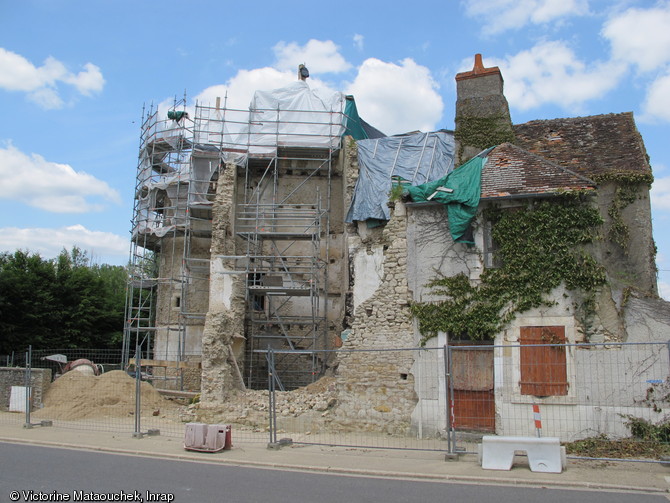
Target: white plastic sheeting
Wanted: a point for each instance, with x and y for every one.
(292, 116)
(417, 158)
(178, 158)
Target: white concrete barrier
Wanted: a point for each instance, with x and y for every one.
(544, 454)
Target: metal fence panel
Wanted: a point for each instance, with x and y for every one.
(579, 391)
(162, 400)
(437, 398)
(368, 403)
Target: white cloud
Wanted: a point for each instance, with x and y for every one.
(50, 242)
(664, 290)
(320, 56)
(640, 36)
(240, 89)
(660, 193)
(50, 186)
(358, 41)
(551, 73)
(41, 83)
(397, 98)
(88, 81)
(500, 15)
(46, 98)
(656, 105)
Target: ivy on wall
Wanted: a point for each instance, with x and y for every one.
(541, 246)
(627, 191)
(482, 132)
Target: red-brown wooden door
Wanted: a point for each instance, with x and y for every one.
(472, 381)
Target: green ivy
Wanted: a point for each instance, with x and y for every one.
(625, 176)
(482, 132)
(541, 246)
(627, 191)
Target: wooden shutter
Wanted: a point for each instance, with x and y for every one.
(543, 368)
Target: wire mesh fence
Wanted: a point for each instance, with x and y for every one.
(368, 402)
(91, 389)
(601, 392)
(603, 400)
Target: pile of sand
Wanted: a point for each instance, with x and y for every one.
(112, 394)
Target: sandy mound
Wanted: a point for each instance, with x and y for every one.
(77, 396)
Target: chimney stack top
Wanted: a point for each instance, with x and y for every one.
(478, 70)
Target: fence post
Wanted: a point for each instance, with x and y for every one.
(452, 416)
(451, 448)
(138, 392)
(272, 411)
(29, 355)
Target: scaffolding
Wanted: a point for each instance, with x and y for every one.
(286, 234)
(283, 160)
(168, 286)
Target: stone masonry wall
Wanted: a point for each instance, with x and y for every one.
(40, 380)
(376, 388)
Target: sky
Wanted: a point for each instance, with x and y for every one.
(76, 75)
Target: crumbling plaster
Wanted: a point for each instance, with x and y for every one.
(223, 335)
(376, 388)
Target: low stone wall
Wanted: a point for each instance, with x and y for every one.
(40, 381)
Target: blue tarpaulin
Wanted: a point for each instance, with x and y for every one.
(417, 158)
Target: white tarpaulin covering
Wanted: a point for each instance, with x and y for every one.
(292, 116)
(180, 156)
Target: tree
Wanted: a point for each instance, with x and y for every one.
(28, 308)
(61, 303)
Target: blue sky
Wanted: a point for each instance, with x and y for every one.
(75, 74)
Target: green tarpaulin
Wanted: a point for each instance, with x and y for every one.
(459, 191)
(353, 121)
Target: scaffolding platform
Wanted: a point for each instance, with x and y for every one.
(283, 158)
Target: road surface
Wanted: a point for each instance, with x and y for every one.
(37, 473)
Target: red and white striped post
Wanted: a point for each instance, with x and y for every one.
(538, 419)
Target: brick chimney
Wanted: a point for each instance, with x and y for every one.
(482, 112)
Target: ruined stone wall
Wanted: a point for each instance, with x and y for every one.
(182, 379)
(175, 296)
(376, 388)
(224, 325)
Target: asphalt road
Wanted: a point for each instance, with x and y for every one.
(54, 474)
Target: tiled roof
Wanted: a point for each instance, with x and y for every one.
(512, 171)
(590, 146)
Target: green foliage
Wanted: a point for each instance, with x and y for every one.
(656, 398)
(604, 447)
(395, 194)
(541, 246)
(627, 192)
(626, 177)
(482, 132)
(61, 303)
(643, 429)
